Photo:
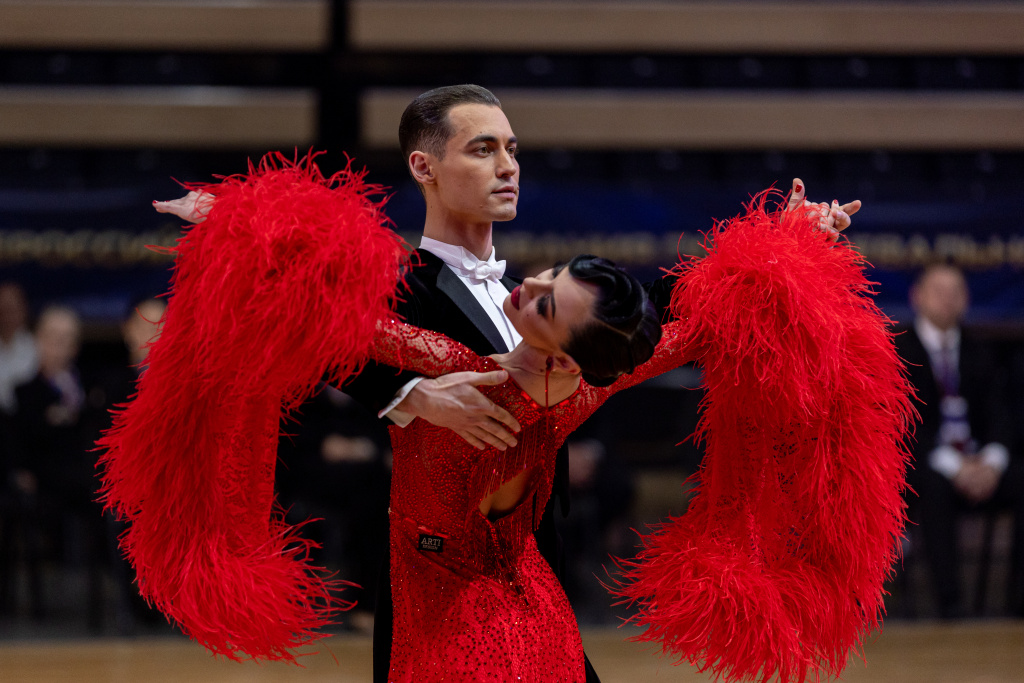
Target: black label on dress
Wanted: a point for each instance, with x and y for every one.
(431, 544)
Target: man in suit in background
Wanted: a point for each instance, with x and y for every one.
(962, 461)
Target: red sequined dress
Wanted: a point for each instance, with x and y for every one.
(473, 598)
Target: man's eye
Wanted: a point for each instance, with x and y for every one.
(512, 151)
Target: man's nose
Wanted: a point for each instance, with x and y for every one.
(507, 165)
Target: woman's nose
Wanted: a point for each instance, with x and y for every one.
(535, 286)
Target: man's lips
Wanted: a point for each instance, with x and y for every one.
(507, 191)
(515, 297)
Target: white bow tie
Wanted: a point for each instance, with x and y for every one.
(483, 270)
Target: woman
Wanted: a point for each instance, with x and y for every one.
(776, 316)
(473, 598)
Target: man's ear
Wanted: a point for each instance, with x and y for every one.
(563, 362)
(421, 167)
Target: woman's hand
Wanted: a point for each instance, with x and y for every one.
(193, 207)
(832, 219)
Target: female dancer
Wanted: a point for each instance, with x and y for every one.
(784, 510)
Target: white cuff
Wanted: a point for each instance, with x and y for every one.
(946, 460)
(400, 418)
(996, 456)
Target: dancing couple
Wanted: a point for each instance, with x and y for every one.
(778, 566)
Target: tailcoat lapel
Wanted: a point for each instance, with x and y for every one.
(449, 283)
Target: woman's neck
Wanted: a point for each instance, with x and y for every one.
(528, 366)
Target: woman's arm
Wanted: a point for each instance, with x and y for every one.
(427, 353)
(677, 347)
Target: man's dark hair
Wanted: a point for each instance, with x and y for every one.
(625, 328)
(425, 125)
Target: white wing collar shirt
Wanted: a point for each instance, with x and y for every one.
(483, 279)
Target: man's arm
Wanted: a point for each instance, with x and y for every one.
(454, 402)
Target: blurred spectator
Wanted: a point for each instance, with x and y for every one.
(18, 363)
(334, 473)
(50, 441)
(113, 386)
(51, 482)
(962, 461)
(598, 524)
(18, 359)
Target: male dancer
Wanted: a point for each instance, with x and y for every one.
(460, 149)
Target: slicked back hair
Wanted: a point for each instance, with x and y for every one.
(425, 124)
(625, 328)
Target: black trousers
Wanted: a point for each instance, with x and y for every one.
(939, 506)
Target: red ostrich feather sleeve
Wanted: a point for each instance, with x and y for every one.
(281, 286)
(777, 567)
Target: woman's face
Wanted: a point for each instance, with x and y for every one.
(547, 308)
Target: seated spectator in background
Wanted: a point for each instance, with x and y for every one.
(334, 472)
(962, 461)
(598, 526)
(50, 442)
(116, 384)
(18, 359)
(18, 363)
(112, 386)
(51, 478)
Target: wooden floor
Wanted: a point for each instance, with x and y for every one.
(970, 652)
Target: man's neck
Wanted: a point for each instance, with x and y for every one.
(473, 237)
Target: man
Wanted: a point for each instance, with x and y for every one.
(960, 448)
(18, 358)
(461, 151)
(52, 477)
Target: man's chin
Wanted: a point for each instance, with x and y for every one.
(505, 215)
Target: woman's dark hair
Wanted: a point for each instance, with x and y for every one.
(425, 123)
(625, 328)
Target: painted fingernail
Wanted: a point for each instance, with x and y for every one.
(799, 188)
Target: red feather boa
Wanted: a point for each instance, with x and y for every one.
(777, 567)
(281, 285)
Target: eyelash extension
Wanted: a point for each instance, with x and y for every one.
(542, 305)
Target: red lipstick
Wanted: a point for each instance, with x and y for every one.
(515, 297)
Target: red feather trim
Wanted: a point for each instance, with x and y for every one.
(777, 567)
(281, 285)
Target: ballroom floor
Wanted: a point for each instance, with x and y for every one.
(918, 652)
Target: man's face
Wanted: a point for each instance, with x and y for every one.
(57, 340)
(13, 311)
(478, 179)
(941, 297)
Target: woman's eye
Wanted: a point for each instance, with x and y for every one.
(542, 305)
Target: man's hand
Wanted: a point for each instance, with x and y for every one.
(454, 402)
(193, 207)
(976, 481)
(832, 219)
